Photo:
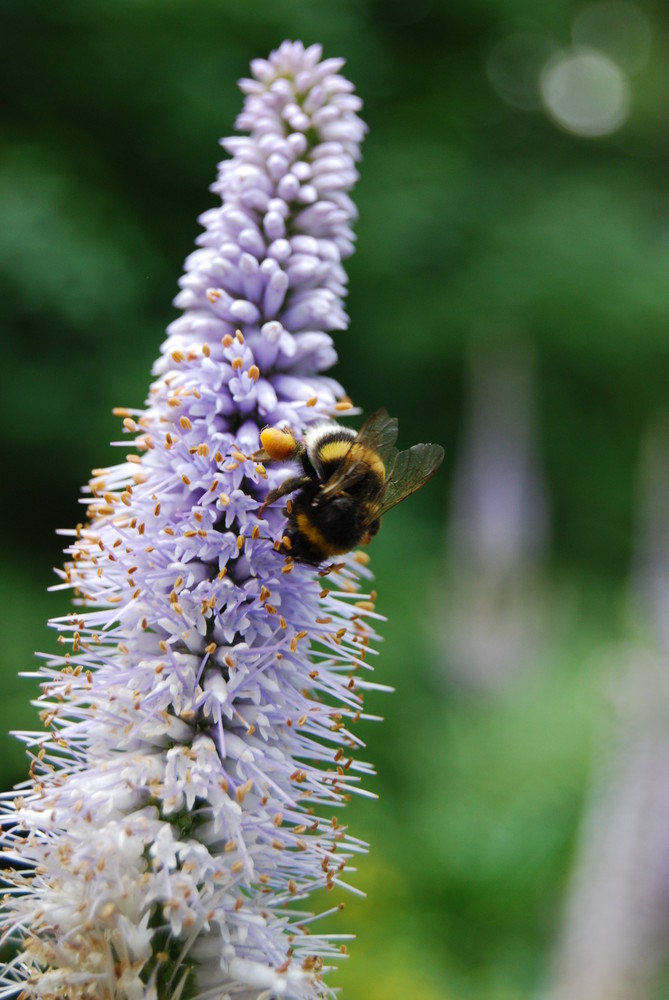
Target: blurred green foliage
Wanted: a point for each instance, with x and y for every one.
(480, 224)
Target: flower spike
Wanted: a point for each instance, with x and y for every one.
(200, 723)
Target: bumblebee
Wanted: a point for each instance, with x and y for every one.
(347, 483)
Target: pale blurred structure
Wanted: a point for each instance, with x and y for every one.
(498, 530)
(613, 941)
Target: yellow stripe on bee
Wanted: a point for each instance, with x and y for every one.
(314, 536)
(360, 453)
(321, 545)
(334, 451)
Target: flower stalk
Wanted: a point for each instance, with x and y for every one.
(200, 720)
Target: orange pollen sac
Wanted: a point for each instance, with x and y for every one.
(279, 445)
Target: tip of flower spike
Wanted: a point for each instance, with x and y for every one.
(290, 56)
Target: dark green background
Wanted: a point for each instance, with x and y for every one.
(482, 226)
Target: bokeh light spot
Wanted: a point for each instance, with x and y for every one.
(585, 92)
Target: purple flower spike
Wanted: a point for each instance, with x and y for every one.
(200, 724)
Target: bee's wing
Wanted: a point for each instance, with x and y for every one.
(378, 435)
(411, 470)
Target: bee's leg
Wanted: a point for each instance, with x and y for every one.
(371, 531)
(278, 446)
(331, 568)
(287, 486)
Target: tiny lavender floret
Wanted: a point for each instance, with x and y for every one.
(200, 722)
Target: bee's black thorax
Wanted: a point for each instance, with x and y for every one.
(348, 482)
(319, 528)
(316, 533)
